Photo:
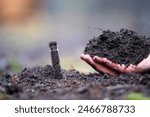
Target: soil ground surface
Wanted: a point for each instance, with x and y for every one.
(39, 82)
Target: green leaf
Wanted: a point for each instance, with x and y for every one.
(137, 96)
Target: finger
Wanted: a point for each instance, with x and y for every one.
(110, 64)
(105, 70)
(132, 69)
(87, 58)
(96, 66)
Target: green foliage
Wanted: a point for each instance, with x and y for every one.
(3, 96)
(15, 66)
(137, 96)
(1, 74)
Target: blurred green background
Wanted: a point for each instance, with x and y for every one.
(27, 26)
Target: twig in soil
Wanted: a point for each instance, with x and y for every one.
(55, 60)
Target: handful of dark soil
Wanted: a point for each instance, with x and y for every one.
(124, 47)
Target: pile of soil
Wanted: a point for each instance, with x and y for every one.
(123, 47)
(39, 82)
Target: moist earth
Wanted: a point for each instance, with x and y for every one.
(123, 47)
(39, 82)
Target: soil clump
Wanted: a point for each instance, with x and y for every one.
(123, 47)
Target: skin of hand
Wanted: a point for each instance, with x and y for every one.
(113, 69)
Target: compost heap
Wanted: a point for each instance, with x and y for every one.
(39, 83)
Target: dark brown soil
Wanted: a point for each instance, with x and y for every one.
(121, 47)
(39, 83)
(124, 47)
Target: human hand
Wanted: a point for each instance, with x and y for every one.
(106, 66)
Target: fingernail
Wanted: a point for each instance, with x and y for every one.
(95, 58)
